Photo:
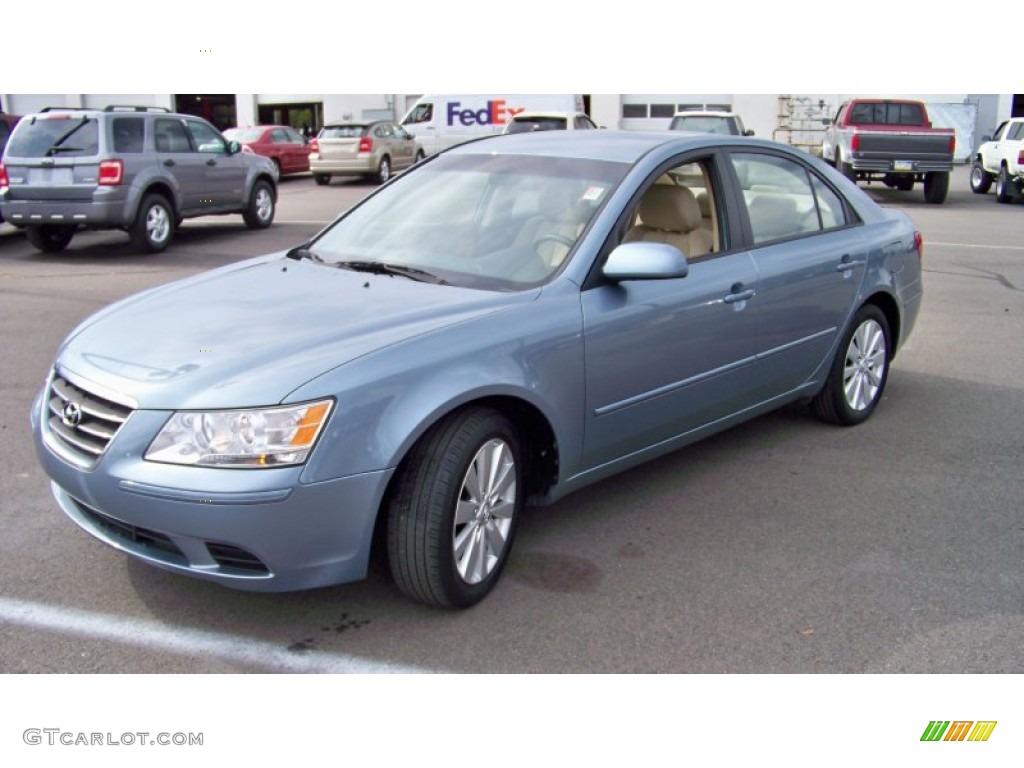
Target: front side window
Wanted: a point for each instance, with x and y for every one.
(421, 113)
(481, 221)
(206, 138)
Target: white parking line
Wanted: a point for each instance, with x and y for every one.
(152, 635)
(973, 245)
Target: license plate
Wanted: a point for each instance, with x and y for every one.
(50, 176)
(902, 165)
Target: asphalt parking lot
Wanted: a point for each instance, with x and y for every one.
(781, 546)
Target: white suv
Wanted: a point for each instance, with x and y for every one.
(526, 122)
(728, 123)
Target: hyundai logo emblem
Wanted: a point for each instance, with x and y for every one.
(71, 415)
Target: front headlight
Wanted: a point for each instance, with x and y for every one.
(254, 438)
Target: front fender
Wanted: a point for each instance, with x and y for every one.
(387, 400)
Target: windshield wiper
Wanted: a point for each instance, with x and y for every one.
(302, 252)
(56, 146)
(383, 268)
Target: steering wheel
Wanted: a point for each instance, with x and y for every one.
(568, 242)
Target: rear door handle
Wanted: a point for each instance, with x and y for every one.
(169, 163)
(846, 264)
(211, 161)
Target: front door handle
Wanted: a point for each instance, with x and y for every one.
(169, 163)
(738, 293)
(211, 161)
(846, 264)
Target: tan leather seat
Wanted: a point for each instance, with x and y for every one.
(671, 214)
(563, 219)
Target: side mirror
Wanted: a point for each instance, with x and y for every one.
(748, 132)
(234, 147)
(986, 137)
(645, 261)
(826, 121)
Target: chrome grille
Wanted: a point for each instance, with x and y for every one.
(83, 422)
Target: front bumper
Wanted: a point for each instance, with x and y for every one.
(260, 530)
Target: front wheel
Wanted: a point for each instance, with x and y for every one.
(454, 509)
(981, 180)
(50, 238)
(419, 156)
(322, 179)
(936, 185)
(259, 212)
(154, 224)
(859, 371)
(1004, 190)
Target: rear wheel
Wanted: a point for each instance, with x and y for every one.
(859, 371)
(259, 213)
(50, 238)
(845, 168)
(154, 224)
(454, 509)
(936, 185)
(981, 180)
(1004, 189)
(322, 179)
(383, 170)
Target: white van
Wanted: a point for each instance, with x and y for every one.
(439, 122)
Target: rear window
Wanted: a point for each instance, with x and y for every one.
(703, 124)
(342, 131)
(243, 134)
(53, 136)
(536, 124)
(886, 113)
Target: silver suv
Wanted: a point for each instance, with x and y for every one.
(140, 169)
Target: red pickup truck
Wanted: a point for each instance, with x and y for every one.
(891, 141)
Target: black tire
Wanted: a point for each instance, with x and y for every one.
(50, 238)
(153, 227)
(383, 170)
(1004, 187)
(432, 483)
(936, 185)
(259, 211)
(322, 179)
(905, 183)
(419, 156)
(981, 180)
(857, 377)
(846, 169)
(277, 165)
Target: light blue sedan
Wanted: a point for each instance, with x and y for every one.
(505, 323)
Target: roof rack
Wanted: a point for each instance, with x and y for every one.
(67, 109)
(133, 108)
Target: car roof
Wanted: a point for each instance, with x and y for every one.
(534, 114)
(703, 113)
(615, 146)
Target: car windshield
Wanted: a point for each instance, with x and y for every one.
(495, 222)
(60, 134)
(525, 125)
(342, 131)
(702, 124)
(243, 134)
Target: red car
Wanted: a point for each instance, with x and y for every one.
(282, 144)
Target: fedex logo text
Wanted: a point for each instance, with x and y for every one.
(959, 730)
(495, 113)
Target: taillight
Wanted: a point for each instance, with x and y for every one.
(1020, 161)
(952, 144)
(314, 145)
(4, 183)
(111, 173)
(855, 142)
(366, 144)
(919, 245)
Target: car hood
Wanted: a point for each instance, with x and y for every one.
(251, 334)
